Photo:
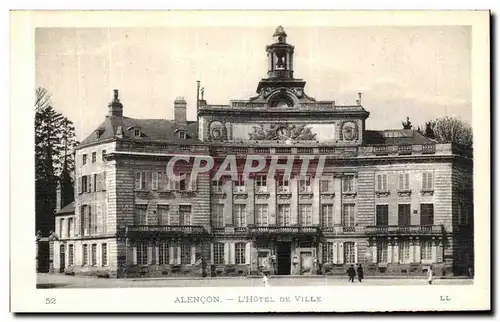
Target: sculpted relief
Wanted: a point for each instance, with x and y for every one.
(350, 131)
(278, 131)
(218, 131)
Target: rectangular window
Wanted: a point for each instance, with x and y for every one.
(154, 180)
(218, 216)
(404, 252)
(140, 180)
(93, 258)
(426, 250)
(84, 159)
(284, 217)
(261, 184)
(61, 228)
(239, 185)
(217, 186)
(283, 184)
(348, 215)
(140, 215)
(427, 182)
(164, 253)
(404, 215)
(404, 181)
(104, 254)
(426, 214)
(142, 254)
(85, 251)
(96, 185)
(185, 254)
(218, 253)
(70, 227)
(239, 218)
(71, 255)
(261, 215)
(175, 254)
(305, 213)
(103, 156)
(85, 185)
(382, 215)
(240, 253)
(348, 183)
(163, 214)
(185, 215)
(382, 251)
(349, 253)
(305, 185)
(327, 252)
(327, 215)
(382, 182)
(94, 157)
(326, 185)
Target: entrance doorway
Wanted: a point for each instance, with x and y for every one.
(283, 258)
(306, 263)
(62, 258)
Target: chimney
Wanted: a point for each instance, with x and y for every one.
(180, 110)
(115, 106)
(58, 197)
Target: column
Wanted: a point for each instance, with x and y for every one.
(434, 249)
(150, 254)
(226, 253)
(439, 251)
(337, 203)
(417, 250)
(134, 255)
(356, 252)
(156, 252)
(412, 250)
(193, 254)
(395, 250)
(211, 253)
(389, 250)
(374, 250)
(171, 260)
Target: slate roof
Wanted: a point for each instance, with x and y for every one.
(151, 129)
(68, 209)
(396, 137)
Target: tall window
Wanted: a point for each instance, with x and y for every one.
(239, 184)
(70, 227)
(326, 185)
(404, 181)
(327, 252)
(217, 186)
(305, 213)
(218, 253)
(404, 252)
(382, 251)
(71, 255)
(185, 254)
(218, 215)
(103, 156)
(348, 215)
(382, 215)
(142, 254)
(94, 157)
(426, 250)
(404, 215)
(381, 182)
(327, 215)
(140, 181)
(240, 253)
(163, 214)
(84, 159)
(61, 227)
(283, 184)
(85, 251)
(104, 254)
(305, 185)
(140, 215)
(261, 216)
(240, 215)
(185, 215)
(93, 258)
(261, 184)
(349, 253)
(85, 185)
(426, 214)
(427, 182)
(163, 254)
(348, 183)
(284, 217)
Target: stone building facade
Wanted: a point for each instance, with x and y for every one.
(394, 201)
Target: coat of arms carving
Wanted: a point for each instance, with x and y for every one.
(279, 131)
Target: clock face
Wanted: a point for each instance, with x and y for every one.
(349, 131)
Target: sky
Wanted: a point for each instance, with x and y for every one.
(419, 72)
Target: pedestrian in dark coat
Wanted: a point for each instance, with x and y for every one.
(360, 272)
(351, 272)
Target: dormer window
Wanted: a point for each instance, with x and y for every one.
(97, 134)
(137, 133)
(182, 134)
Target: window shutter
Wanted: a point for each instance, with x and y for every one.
(79, 184)
(341, 253)
(247, 253)
(171, 255)
(379, 182)
(424, 180)
(226, 253)
(335, 253)
(90, 183)
(98, 181)
(407, 181)
(356, 252)
(154, 181)
(429, 180)
(134, 255)
(400, 181)
(161, 182)
(384, 184)
(137, 181)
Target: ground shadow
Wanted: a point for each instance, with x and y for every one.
(50, 285)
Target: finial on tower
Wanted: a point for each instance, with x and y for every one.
(359, 98)
(279, 35)
(115, 106)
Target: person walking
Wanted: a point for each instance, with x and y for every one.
(429, 274)
(360, 272)
(264, 279)
(351, 272)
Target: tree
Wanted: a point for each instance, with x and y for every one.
(452, 130)
(54, 161)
